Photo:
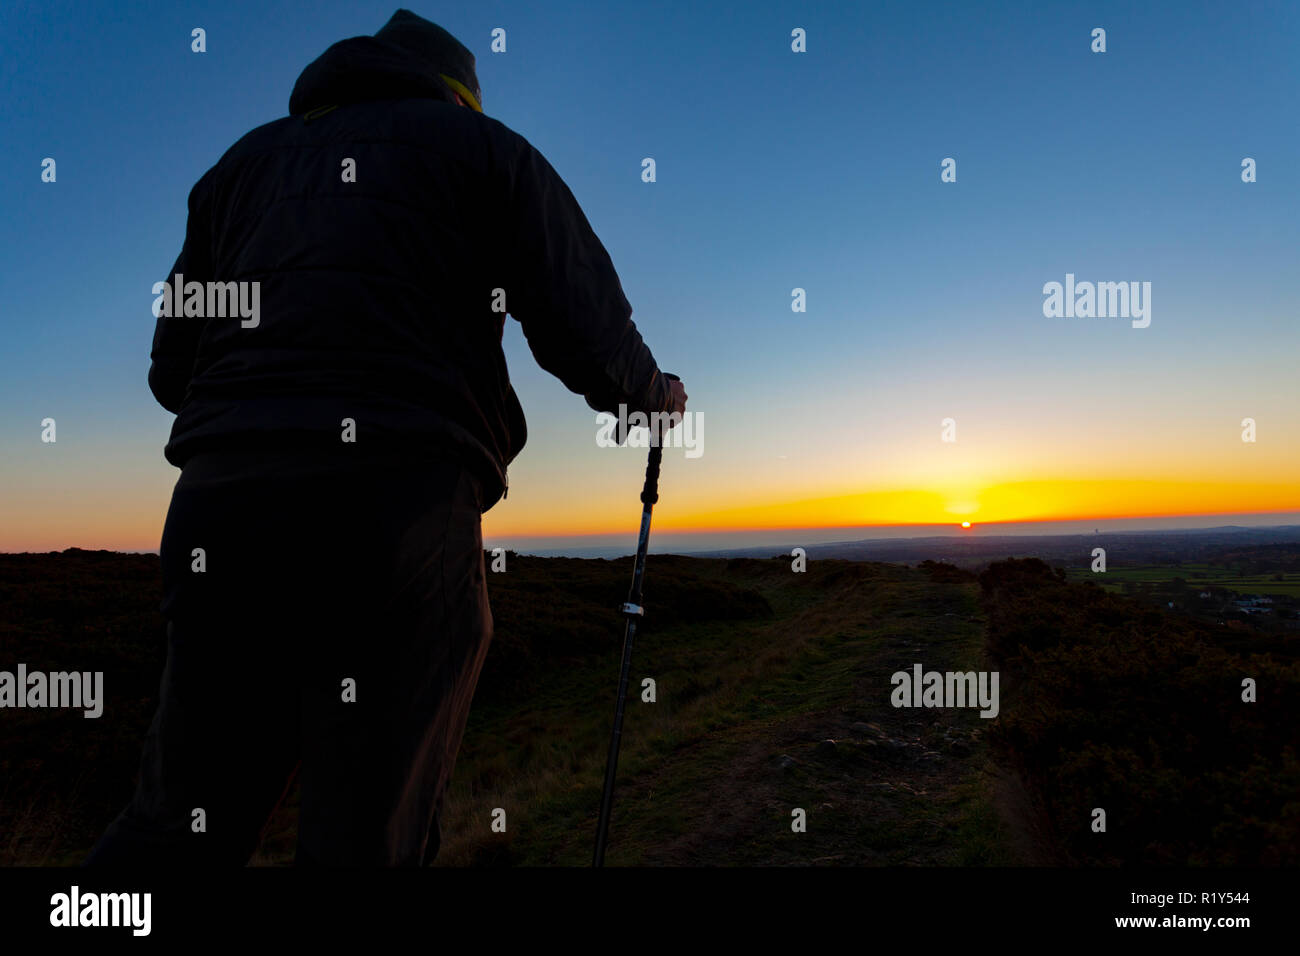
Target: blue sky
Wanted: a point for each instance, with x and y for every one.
(775, 170)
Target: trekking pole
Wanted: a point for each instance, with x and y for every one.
(633, 612)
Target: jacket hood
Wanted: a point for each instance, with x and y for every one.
(366, 68)
(434, 45)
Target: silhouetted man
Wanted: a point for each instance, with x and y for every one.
(343, 418)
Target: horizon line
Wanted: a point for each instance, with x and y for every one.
(955, 524)
(952, 529)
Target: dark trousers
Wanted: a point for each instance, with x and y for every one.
(337, 632)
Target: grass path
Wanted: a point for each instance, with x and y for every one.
(738, 738)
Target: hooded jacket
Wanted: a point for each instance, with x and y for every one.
(376, 296)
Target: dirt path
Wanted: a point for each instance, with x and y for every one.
(879, 785)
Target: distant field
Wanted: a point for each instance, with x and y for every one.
(1194, 574)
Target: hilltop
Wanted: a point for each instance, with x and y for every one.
(772, 694)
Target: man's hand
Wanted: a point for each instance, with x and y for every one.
(678, 403)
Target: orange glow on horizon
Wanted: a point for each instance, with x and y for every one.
(137, 525)
(1002, 503)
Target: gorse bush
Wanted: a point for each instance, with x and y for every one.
(1110, 705)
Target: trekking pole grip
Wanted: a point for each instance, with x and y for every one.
(650, 493)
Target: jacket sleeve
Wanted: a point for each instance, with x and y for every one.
(176, 338)
(562, 287)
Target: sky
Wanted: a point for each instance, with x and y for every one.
(775, 170)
